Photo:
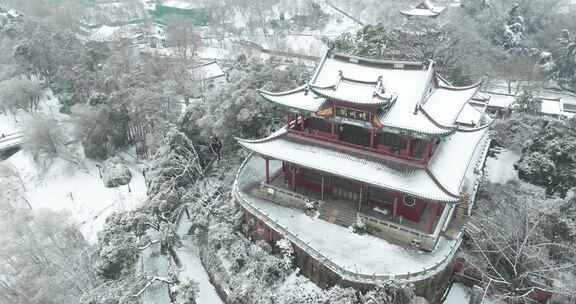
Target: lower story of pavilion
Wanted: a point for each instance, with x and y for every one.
(344, 201)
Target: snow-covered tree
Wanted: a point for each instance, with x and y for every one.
(118, 243)
(114, 173)
(186, 292)
(43, 259)
(19, 94)
(237, 109)
(513, 256)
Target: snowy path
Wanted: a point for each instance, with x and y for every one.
(192, 267)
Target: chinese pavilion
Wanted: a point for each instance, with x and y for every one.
(389, 144)
(424, 9)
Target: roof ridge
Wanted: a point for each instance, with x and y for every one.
(283, 93)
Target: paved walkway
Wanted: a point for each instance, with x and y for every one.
(192, 268)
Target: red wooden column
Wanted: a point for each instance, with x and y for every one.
(395, 209)
(294, 179)
(302, 122)
(372, 135)
(408, 150)
(267, 171)
(428, 150)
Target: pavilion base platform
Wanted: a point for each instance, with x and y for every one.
(331, 254)
(336, 210)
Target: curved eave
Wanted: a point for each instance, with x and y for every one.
(420, 13)
(425, 125)
(445, 104)
(416, 182)
(457, 156)
(297, 99)
(331, 94)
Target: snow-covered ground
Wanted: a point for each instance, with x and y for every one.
(459, 294)
(363, 254)
(500, 168)
(9, 125)
(65, 187)
(192, 266)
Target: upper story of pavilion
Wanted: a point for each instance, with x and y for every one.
(389, 110)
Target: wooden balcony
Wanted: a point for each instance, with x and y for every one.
(298, 129)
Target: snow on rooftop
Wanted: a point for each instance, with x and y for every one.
(503, 101)
(456, 156)
(111, 33)
(363, 254)
(357, 92)
(420, 12)
(208, 70)
(416, 182)
(445, 104)
(188, 4)
(551, 107)
(406, 84)
(471, 114)
(296, 99)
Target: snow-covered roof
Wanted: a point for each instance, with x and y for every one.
(445, 104)
(455, 156)
(499, 100)
(551, 107)
(414, 97)
(471, 114)
(111, 33)
(190, 4)
(441, 183)
(360, 92)
(424, 9)
(299, 98)
(209, 70)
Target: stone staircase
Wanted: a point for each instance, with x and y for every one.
(338, 212)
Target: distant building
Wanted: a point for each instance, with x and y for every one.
(208, 75)
(424, 9)
(199, 11)
(498, 100)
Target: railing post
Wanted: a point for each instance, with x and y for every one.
(267, 171)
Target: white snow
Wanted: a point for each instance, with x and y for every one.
(416, 182)
(551, 107)
(182, 4)
(500, 169)
(445, 105)
(407, 84)
(192, 266)
(363, 254)
(9, 124)
(297, 98)
(206, 71)
(64, 187)
(458, 294)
